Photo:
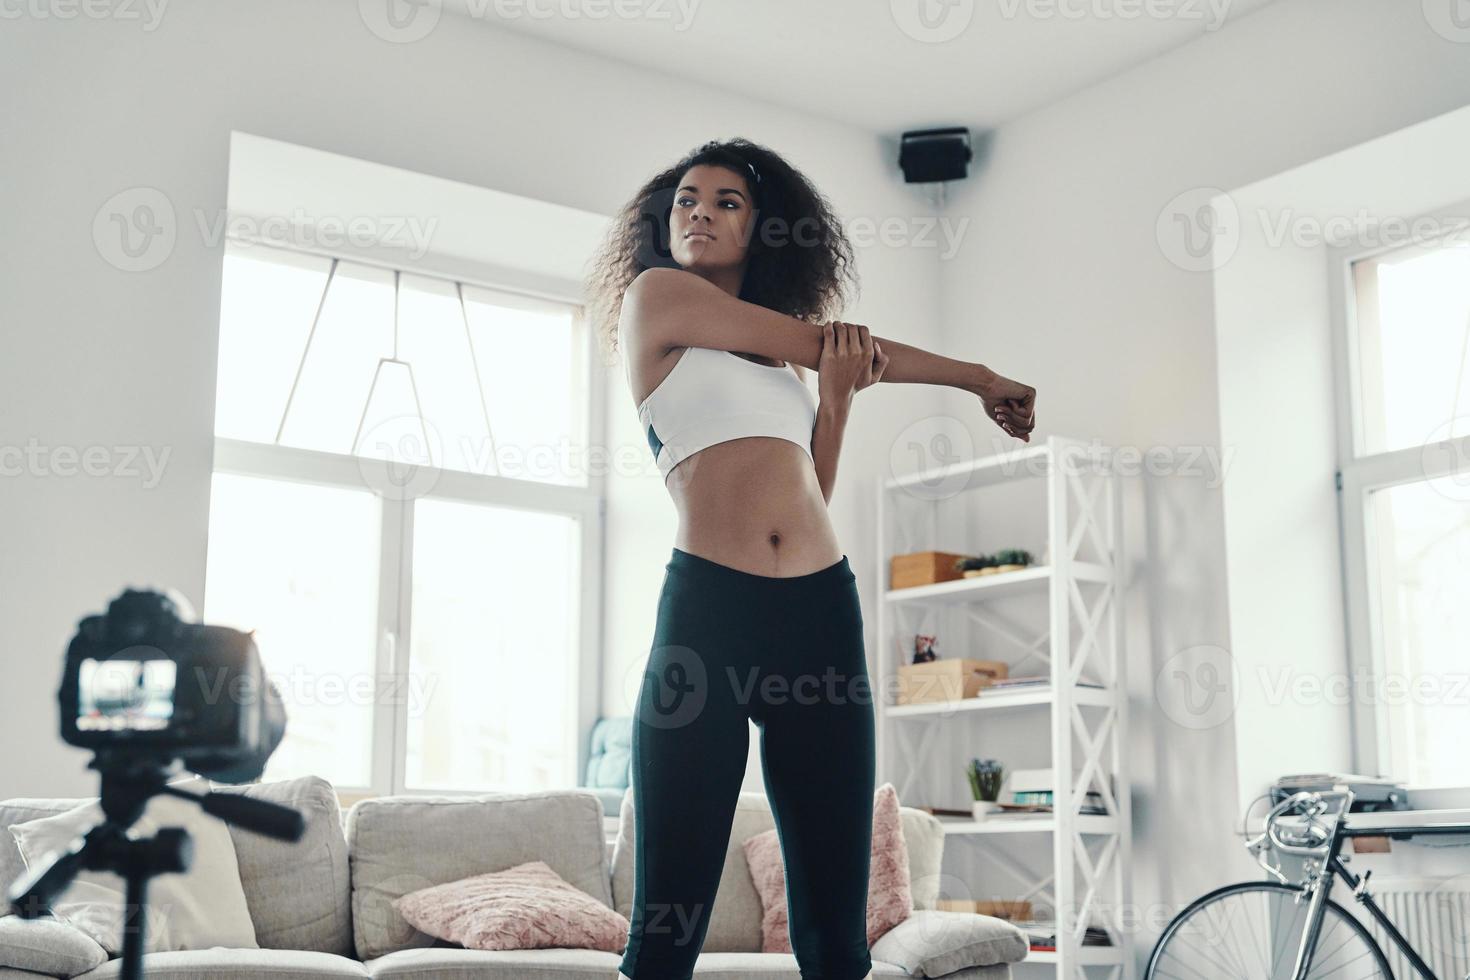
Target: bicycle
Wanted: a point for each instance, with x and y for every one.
(1203, 942)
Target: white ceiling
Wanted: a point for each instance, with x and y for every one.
(873, 63)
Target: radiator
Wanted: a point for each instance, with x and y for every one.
(1432, 913)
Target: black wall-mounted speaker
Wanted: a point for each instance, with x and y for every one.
(930, 155)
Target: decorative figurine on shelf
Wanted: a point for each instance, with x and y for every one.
(985, 776)
(1005, 560)
(924, 649)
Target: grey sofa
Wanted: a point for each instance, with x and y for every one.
(321, 906)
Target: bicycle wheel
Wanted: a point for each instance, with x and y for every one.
(1251, 931)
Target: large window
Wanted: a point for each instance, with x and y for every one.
(1406, 507)
(401, 512)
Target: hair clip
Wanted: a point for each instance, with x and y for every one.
(755, 172)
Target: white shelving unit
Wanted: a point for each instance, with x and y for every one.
(1064, 506)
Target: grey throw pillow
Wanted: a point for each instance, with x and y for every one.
(48, 945)
(934, 943)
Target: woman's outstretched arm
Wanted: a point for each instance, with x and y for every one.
(1010, 404)
(846, 367)
(674, 308)
(827, 444)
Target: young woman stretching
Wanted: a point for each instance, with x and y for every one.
(716, 283)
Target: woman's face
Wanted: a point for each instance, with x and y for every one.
(710, 222)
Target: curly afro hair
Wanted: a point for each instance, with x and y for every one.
(800, 261)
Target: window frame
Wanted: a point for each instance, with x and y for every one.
(1359, 474)
(587, 504)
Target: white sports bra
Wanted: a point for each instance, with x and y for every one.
(711, 396)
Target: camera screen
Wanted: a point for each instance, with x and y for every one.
(126, 695)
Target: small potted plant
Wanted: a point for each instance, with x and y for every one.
(1012, 559)
(1005, 560)
(976, 565)
(985, 776)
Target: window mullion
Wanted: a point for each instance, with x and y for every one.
(402, 674)
(1370, 717)
(388, 718)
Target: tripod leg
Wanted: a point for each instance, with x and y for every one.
(134, 919)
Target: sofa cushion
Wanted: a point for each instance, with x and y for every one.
(1001, 971)
(937, 943)
(237, 964)
(610, 754)
(923, 833)
(48, 945)
(453, 963)
(401, 844)
(765, 966)
(299, 893)
(586, 964)
(23, 810)
(735, 922)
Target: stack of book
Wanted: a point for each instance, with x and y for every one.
(1043, 936)
(1039, 680)
(1040, 801)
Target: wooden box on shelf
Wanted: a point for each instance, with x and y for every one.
(1014, 909)
(922, 568)
(947, 679)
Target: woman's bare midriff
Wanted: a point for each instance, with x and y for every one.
(754, 504)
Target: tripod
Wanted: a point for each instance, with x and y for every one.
(128, 783)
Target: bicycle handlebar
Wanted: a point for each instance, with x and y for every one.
(1315, 837)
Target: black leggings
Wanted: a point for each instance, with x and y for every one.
(787, 653)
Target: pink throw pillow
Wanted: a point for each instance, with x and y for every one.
(890, 896)
(528, 906)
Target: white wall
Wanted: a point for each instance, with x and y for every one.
(95, 355)
(1273, 330)
(1275, 326)
(1062, 282)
